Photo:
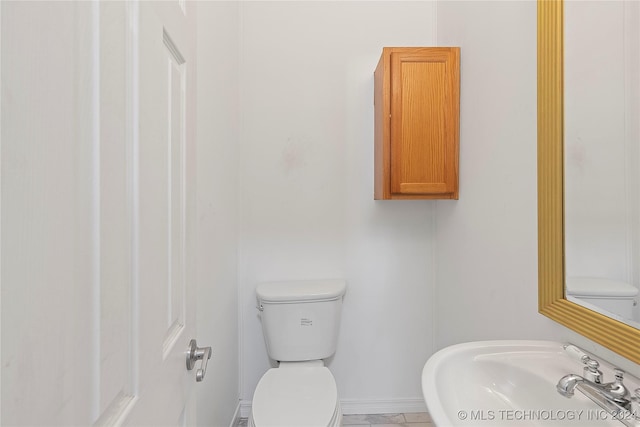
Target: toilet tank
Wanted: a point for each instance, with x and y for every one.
(613, 296)
(300, 319)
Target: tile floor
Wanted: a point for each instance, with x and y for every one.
(421, 419)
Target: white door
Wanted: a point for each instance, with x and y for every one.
(98, 180)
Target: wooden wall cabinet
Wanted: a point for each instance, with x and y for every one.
(417, 123)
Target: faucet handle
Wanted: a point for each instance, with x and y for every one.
(619, 374)
(592, 364)
(576, 353)
(591, 371)
(617, 389)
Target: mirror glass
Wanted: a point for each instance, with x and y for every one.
(602, 157)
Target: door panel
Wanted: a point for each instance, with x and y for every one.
(112, 302)
(47, 275)
(176, 77)
(97, 201)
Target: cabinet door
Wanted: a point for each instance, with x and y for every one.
(425, 122)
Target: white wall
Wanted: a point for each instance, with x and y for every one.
(486, 250)
(598, 190)
(487, 241)
(632, 121)
(306, 195)
(602, 206)
(217, 310)
(307, 191)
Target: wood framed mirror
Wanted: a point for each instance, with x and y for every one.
(616, 336)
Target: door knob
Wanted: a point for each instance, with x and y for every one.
(195, 353)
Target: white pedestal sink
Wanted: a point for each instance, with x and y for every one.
(511, 383)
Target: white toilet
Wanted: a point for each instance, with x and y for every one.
(300, 322)
(613, 296)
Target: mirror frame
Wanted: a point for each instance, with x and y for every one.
(616, 336)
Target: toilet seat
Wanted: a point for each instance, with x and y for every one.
(305, 396)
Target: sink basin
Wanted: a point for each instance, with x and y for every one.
(508, 383)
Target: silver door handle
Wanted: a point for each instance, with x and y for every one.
(195, 353)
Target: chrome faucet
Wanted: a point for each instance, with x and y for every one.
(635, 403)
(615, 391)
(613, 396)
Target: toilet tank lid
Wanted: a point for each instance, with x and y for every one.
(599, 287)
(301, 290)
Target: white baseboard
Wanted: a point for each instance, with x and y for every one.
(245, 408)
(236, 416)
(359, 406)
(382, 406)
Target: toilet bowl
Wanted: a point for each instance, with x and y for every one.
(302, 396)
(300, 322)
